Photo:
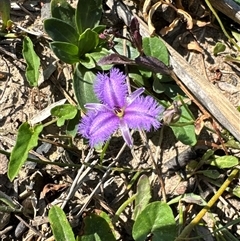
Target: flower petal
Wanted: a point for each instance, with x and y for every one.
(111, 90)
(126, 133)
(95, 106)
(98, 126)
(135, 94)
(143, 113)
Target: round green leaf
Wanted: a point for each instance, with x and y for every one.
(64, 112)
(156, 219)
(154, 46)
(218, 48)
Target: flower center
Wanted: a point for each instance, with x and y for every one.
(119, 112)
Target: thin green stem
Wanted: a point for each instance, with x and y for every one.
(12, 207)
(104, 151)
(186, 107)
(50, 122)
(221, 25)
(123, 207)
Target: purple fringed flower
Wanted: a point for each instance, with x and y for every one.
(117, 110)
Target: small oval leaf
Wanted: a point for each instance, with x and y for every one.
(225, 161)
(32, 60)
(60, 226)
(60, 31)
(27, 138)
(143, 195)
(218, 48)
(67, 52)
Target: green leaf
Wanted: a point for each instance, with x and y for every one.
(97, 55)
(5, 7)
(99, 28)
(172, 90)
(88, 41)
(145, 72)
(236, 35)
(154, 46)
(214, 174)
(156, 219)
(185, 132)
(158, 87)
(62, 10)
(139, 77)
(225, 161)
(66, 52)
(132, 52)
(193, 198)
(97, 228)
(232, 58)
(60, 226)
(207, 155)
(72, 126)
(233, 144)
(64, 112)
(83, 85)
(88, 62)
(218, 48)
(32, 60)
(237, 1)
(143, 195)
(61, 31)
(27, 138)
(236, 191)
(88, 14)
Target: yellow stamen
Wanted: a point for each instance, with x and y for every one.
(119, 112)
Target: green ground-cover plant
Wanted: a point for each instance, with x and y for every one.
(79, 40)
(74, 30)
